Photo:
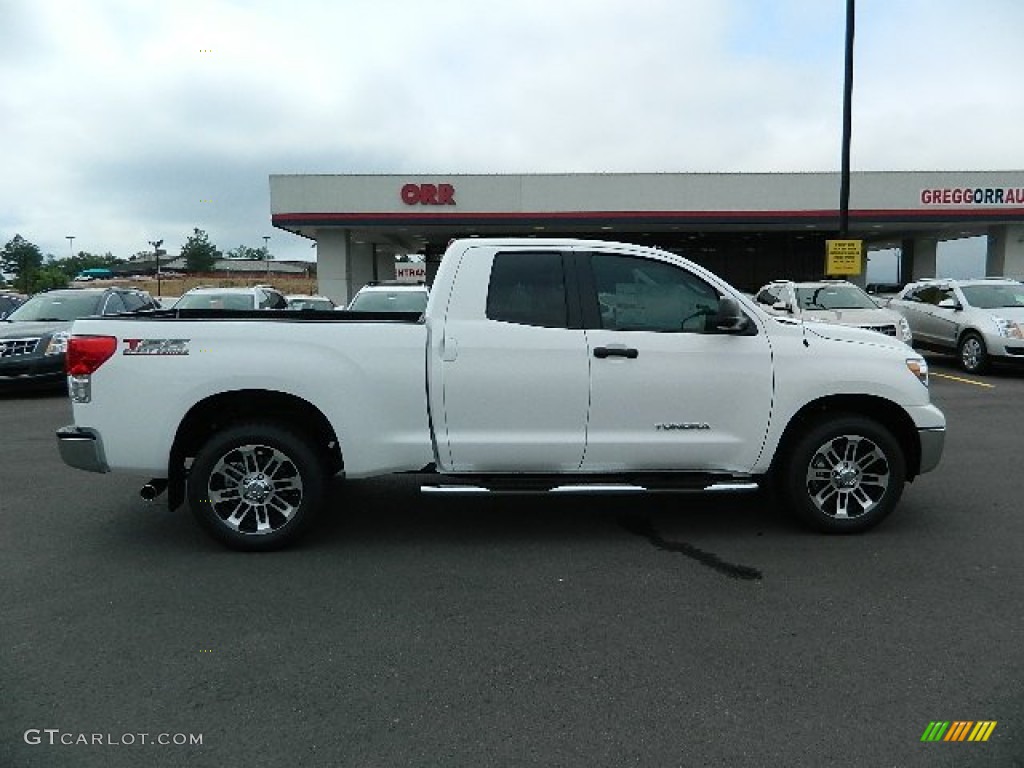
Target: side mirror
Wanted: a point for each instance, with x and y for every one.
(730, 318)
(781, 306)
(949, 304)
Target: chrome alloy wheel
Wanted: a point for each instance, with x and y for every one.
(971, 353)
(847, 476)
(255, 489)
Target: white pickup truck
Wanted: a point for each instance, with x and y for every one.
(558, 366)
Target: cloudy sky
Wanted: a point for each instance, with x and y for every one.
(123, 121)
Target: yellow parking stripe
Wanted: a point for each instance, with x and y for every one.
(963, 381)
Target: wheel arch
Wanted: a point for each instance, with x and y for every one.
(216, 412)
(885, 412)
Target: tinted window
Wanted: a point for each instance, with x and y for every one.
(133, 301)
(114, 305)
(767, 296)
(528, 289)
(273, 300)
(636, 294)
(834, 297)
(215, 301)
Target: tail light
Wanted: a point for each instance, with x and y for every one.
(87, 353)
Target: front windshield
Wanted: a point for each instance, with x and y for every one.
(57, 306)
(389, 301)
(215, 301)
(834, 297)
(994, 296)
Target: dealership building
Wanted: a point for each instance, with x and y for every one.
(747, 227)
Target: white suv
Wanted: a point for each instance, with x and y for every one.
(831, 301)
(978, 319)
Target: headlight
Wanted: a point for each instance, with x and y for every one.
(919, 367)
(58, 343)
(903, 330)
(1007, 328)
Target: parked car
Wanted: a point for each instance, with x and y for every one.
(296, 301)
(9, 302)
(257, 297)
(33, 338)
(390, 297)
(980, 320)
(832, 301)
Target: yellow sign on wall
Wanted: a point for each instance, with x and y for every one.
(844, 257)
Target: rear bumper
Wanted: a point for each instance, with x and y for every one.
(82, 448)
(932, 443)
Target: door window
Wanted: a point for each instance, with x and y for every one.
(637, 294)
(528, 289)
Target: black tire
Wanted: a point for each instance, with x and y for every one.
(256, 486)
(844, 474)
(972, 353)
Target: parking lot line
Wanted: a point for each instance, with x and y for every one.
(964, 381)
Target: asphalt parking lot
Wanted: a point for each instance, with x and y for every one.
(410, 631)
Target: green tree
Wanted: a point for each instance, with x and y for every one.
(72, 265)
(23, 259)
(47, 278)
(200, 254)
(248, 253)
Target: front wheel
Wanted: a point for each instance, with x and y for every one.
(844, 475)
(256, 486)
(972, 353)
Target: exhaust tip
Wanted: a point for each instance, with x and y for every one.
(152, 489)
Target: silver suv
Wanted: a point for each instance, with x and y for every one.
(831, 301)
(980, 320)
(257, 297)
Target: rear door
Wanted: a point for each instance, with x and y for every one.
(514, 370)
(668, 392)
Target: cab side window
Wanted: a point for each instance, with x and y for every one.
(114, 305)
(637, 294)
(528, 289)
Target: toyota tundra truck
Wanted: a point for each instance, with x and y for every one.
(539, 365)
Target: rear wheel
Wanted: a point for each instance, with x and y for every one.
(973, 353)
(844, 475)
(256, 486)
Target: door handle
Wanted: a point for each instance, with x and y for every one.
(627, 352)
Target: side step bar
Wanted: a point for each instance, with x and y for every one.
(591, 488)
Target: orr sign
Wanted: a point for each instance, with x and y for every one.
(428, 194)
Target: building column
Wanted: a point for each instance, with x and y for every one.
(384, 264)
(343, 265)
(1004, 256)
(917, 259)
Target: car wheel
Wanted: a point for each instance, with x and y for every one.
(972, 353)
(845, 475)
(256, 486)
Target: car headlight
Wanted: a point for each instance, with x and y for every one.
(919, 367)
(1007, 328)
(58, 343)
(903, 330)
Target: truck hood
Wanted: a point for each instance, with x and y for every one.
(854, 334)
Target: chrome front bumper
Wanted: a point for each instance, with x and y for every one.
(82, 448)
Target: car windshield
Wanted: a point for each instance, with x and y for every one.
(57, 306)
(215, 301)
(834, 297)
(389, 301)
(994, 296)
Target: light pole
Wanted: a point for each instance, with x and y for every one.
(266, 254)
(71, 244)
(844, 182)
(156, 255)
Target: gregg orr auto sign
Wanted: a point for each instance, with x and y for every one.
(973, 196)
(428, 194)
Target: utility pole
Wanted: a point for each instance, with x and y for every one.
(156, 254)
(844, 182)
(71, 244)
